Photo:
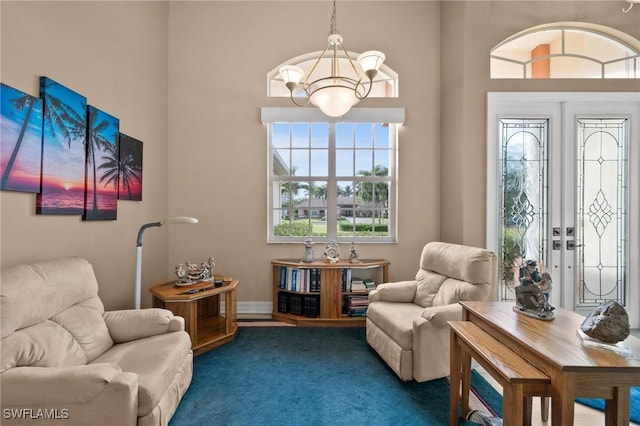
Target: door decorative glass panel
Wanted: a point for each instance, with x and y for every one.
(602, 182)
(523, 193)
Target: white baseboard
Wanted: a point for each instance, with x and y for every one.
(252, 310)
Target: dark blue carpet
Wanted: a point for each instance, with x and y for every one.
(310, 376)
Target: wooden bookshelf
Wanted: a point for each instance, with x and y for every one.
(330, 294)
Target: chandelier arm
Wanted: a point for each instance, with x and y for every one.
(353, 66)
(293, 99)
(306, 80)
(355, 91)
(629, 8)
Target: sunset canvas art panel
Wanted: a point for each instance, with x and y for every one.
(20, 140)
(130, 175)
(63, 150)
(101, 196)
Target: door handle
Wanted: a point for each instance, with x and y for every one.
(571, 245)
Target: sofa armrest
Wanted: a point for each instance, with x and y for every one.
(29, 386)
(96, 394)
(401, 292)
(440, 315)
(132, 324)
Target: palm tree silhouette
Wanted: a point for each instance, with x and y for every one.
(95, 141)
(61, 116)
(110, 165)
(19, 104)
(124, 171)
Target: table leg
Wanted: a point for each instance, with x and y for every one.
(465, 379)
(455, 360)
(616, 410)
(512, 405)
(563, 393)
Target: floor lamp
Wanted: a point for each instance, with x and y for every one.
(178, 219)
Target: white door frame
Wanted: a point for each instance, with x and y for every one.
(560, 108)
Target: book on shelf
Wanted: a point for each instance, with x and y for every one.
(346, 279)
(307, 305)
(357, 312)
(302, 280)
(369, 284)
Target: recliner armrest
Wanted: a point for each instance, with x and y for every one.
(39, 386)
(440, 315)
(401, 292)
(95, 394)
(132, 324)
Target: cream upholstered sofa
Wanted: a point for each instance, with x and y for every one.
(64, 360)
(407, 320)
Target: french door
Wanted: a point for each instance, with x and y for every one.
(563, 188)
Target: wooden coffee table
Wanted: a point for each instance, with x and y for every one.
(199, 305)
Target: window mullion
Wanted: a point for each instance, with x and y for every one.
(332, 187)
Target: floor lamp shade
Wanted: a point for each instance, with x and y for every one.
(171, 220)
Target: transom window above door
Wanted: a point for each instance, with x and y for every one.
(567, 50)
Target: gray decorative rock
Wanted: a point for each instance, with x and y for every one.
(608, 323)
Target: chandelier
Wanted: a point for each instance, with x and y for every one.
(336, 93)
(631, 3)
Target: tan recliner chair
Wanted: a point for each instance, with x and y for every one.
(407, 320)
(64, 360)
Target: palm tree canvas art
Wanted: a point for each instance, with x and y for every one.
(130, 169)
(20, 140)
(101, 196)
(63, 150)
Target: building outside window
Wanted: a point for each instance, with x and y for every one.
(332, 181)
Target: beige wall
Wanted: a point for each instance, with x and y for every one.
(220, 54)
(189, 78)
(115, 54)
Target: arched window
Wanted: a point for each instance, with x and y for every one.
(567, 50)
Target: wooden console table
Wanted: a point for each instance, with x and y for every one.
(199, 305)
(554, 347)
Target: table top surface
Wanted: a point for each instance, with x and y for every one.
(556, 341)
(168, 291)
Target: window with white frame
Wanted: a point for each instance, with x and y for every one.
(332, 180)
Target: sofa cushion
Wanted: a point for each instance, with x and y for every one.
(45, 344)
(428, 285)
(155, 360)
(453, 291)
(85, 323)
(51, 287)
(464, 263)
(396, 319)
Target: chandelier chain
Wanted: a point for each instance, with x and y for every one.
(334, 29)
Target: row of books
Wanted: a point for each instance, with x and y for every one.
(299, 304)
(307, 280)
(308, 305)
(303, 280)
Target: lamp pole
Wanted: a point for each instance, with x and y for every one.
(171, 220)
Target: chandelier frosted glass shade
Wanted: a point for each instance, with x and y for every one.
(334, 101)
(371, 61)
